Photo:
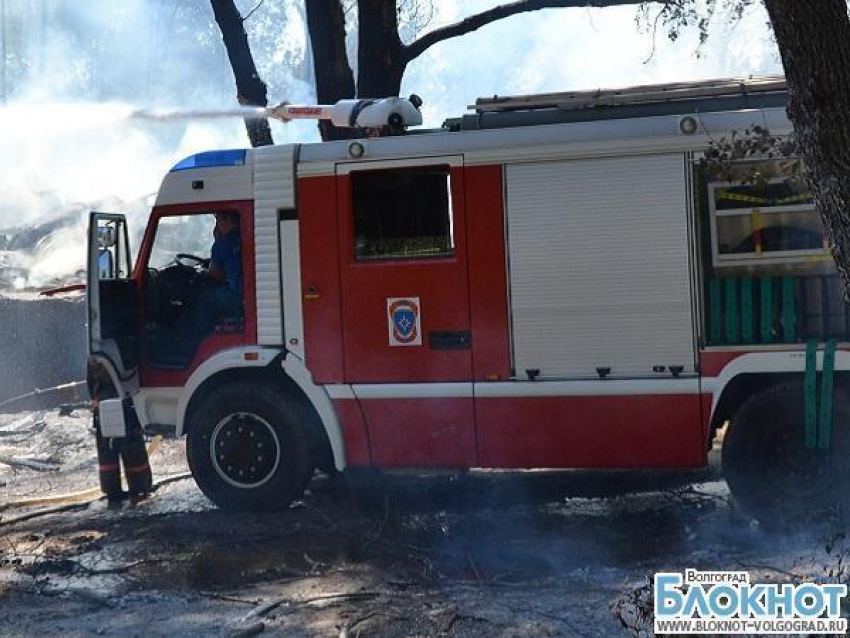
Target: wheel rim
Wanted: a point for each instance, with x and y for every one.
(245, 450)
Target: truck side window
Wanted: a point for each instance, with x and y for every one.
(402, 213)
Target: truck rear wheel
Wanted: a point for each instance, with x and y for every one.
(769, 469)
(247, 449)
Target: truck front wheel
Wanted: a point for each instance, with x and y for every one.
(247, 449)
(771, 472)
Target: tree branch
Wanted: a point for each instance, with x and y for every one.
(251, 12)
(474, 22)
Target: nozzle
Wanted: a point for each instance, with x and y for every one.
(278, 112)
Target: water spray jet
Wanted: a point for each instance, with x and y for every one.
(393, 113)
(164, 115)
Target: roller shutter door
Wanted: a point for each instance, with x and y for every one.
(599, 266)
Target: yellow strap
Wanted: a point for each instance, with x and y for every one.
(737, 197)
(801, 197)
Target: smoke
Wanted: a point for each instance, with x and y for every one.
(102, 98)
(64, 159)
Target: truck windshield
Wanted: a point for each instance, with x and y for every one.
(186, 234)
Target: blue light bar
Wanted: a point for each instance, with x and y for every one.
(208, 159)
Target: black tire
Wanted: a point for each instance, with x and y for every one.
(770, 472)
(261, 459)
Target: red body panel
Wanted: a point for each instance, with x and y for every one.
(348, 342)
(705, 409)
(150, 377)
(355, 435)
(441, 286)
(488, 287)
(421, 433)
(590, 432)
(712, 362)
(320, 279)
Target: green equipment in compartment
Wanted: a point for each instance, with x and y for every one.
(789, 319)
(716, 317)
(731, 285)
(753, 309)
(747, 335)
(766, 312)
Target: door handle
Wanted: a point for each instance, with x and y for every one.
(312, 292)
(449, 339)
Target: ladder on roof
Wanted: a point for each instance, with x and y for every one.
(645, 94)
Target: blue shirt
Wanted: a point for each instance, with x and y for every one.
(227, 255)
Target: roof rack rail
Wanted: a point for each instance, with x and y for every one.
(645, 94)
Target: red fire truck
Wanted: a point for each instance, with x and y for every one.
(551, 281)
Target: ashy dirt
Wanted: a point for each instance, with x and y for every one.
(485, 554)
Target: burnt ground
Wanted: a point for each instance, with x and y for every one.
(485, 554)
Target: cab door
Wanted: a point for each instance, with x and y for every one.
(405, 296)
(113, 331)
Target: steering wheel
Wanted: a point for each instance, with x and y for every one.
(181, 258)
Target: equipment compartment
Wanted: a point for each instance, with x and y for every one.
(768, 274)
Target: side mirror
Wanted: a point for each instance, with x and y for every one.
(106, 236)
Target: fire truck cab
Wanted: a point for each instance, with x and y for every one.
(549, 282)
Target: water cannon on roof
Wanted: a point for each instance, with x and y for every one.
(392, 113)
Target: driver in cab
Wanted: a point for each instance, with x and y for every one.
(223, 296)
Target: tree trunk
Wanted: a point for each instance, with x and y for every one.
(250, 89)
(334, 78)
(814, 41)
(381, 57)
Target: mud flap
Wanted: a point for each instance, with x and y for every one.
(818, 430)
(825, 423)
(811, 394)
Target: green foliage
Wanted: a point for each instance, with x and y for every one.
(752, 157)
(677, 15)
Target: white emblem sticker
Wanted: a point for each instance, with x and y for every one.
(404, 319)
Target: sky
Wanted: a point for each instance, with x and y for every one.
(69, 144)
(573, 49)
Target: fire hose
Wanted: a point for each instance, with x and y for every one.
(70, 390)
(84, 496)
